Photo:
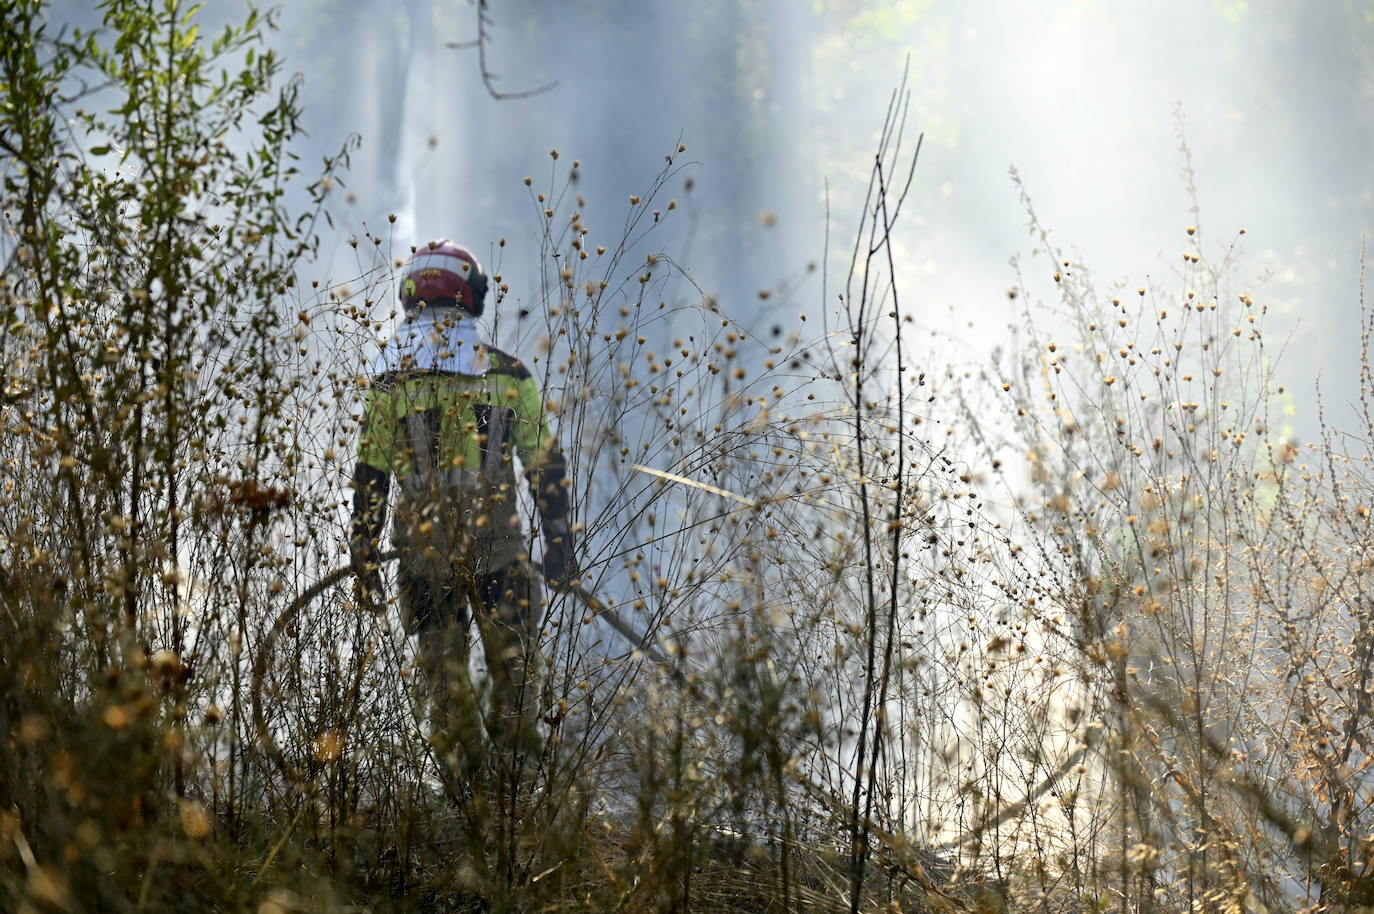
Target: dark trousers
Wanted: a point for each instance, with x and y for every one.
(506, 606)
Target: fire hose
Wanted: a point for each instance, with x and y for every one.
(638, 642)
(288, 616)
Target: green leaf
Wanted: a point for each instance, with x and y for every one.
(187, 38)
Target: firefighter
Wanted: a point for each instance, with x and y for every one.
(449, 416)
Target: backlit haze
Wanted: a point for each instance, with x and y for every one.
(1089, 101)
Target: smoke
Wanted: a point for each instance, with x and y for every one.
(779, 103)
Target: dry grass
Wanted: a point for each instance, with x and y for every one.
(1071, 631)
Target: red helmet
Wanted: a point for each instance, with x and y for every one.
(443, 270)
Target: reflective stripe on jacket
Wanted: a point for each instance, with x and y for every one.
(451, 439)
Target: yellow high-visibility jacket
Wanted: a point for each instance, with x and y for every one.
(448, 417)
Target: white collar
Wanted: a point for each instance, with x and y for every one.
(436, 339)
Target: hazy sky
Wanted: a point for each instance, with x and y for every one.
(775, 98)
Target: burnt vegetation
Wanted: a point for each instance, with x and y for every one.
(1075, 629)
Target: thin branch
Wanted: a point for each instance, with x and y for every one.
(488, 77)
